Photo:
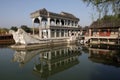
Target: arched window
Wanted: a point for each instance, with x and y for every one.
(44, 22)
(62, 22)
(57, 22)
(36, 20)
(52, 22)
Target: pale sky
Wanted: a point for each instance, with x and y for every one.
(17, 12)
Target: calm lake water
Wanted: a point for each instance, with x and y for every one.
(60, 63)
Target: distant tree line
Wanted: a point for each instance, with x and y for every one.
(24, 27)
(15, 28)
(4, 30)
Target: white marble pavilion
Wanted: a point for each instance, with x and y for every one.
(54, 25)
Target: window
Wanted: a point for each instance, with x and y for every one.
(62, 33)
(52, 33)
(57, 33)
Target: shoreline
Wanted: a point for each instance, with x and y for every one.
(40, 45)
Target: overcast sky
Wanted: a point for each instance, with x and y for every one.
(17, 12)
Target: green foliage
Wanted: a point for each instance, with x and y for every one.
(14, 28)
(106, 21)
(26, 29)
(3, 30)
(110, 17)
(105, 6)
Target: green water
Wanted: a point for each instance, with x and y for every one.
(60, 63)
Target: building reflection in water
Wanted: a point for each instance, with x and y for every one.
(22, 57)
(56, 60)
(50, 60)
(104, 55)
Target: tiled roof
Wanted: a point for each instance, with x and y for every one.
(47, 13)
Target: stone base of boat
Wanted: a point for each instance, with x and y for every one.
(40, 45)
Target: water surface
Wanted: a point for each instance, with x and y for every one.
(60, 63)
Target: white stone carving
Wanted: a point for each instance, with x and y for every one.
(21, 37)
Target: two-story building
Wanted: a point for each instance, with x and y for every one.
(54, 25)
(106, 32)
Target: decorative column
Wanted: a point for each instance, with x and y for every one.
(55, 33)
(69, 33)
(41, 61)
(64, 33)
(55, 22)
(60, 22)
(55, 54)
(64, 23)
(60, 33)
(48, 23)
(70, 23)
(49, 33)
(40, 31)
(49, 55)
(49, 66)
(41, 69)
(74, 23)
(33, 26)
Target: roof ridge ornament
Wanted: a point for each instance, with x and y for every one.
(43, 11)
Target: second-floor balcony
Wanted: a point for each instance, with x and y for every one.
(105, 34)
